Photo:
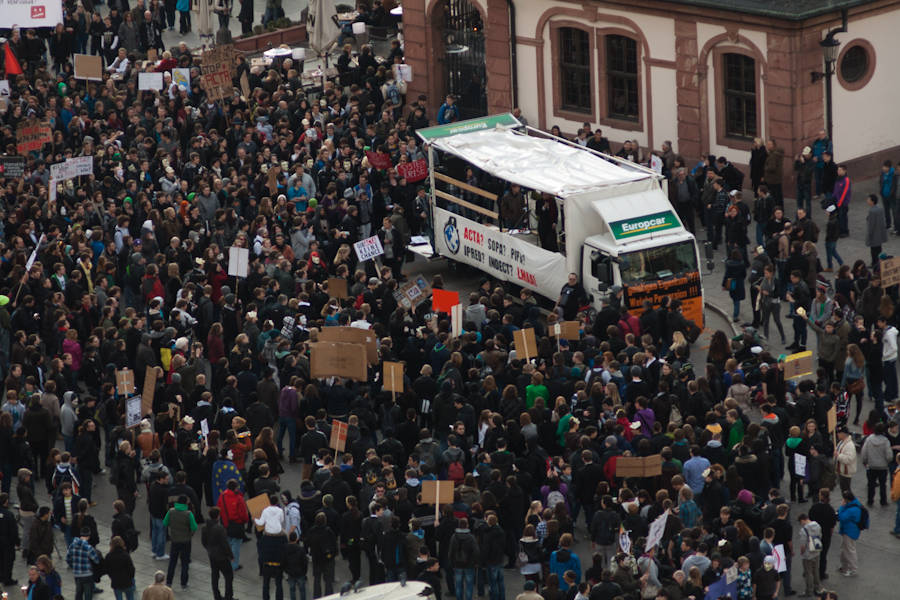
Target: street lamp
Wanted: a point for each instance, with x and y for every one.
(830, 47)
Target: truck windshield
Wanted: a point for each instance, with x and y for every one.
(658, 263)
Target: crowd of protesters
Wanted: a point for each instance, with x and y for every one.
(131, 268)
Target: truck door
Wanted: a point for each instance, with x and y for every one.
(599, 273)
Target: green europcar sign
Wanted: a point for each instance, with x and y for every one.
(645, 224)
(440, 131)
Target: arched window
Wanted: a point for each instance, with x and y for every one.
(622, 78)
(575, 70)
(740, 95)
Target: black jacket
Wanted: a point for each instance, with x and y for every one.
(493, 546)
(120, 568)
(322, 542)
(215, 540)
(296, 561)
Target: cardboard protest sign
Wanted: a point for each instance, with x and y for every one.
(217, 84)
(379, 160)
(437, 492)
(245, 85)
(890, 271)
(33, 137)
(337, 287)
(89, 67)
(150, 81)
(338, 436)
(412, 293)
(352, 335)
(330, 359)
(798, 365)
(526, 345)
(567, 330)
(414, 171)
(149, 390)
(639, 466)
(832, 419)
(133, 411)
(392, 376)
(238, 261)
(125, 382)
(368, 248)
(257, 504)
(443, 300)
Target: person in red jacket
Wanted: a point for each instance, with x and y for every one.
(235, 516)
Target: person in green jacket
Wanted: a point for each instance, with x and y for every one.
(182, 525)
(536, 390)
(735, 428)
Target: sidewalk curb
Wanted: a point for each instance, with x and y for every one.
(724, 314)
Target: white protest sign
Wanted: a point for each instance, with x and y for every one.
(4, 87)
(368, 248)
(73, 167)
(204, 427)
(799, 465)
(238, 261)
(657, 527)
(182, 78)
(780, 562)
(133, 411)
(37, 249)
(456, 320)
(150, 81)
(51, 190)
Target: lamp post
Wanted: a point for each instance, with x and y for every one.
(830, 52)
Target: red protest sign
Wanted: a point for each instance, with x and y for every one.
(379, 160)
(33, 137)
(443, 301)
(414, 171)
(338, 435)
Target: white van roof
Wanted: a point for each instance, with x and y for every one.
(545, 164)
(413, 590)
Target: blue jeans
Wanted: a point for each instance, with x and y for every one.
(235, 544)
(68, 442)
(760, 234)
(897, 519)
(398, 574)
(496, 582)
(737, 308)
(464, 583)
(157, 537)
(126, 593)
(297, 583)
(831, 252)
(67, 534)
(290, 425)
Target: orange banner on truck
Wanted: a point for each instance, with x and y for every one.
(687, 289)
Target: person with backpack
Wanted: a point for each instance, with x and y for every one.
(810, 548)
(464, 556)
(853, 519)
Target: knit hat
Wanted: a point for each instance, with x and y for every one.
(745, 497)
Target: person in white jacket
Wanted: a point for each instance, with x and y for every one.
(844, 458)
(889, 358)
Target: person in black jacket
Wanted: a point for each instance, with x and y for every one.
(799, 297)
(295, 564)
(120, 568)
(88, 454)
(36, 589)
(124, 475)
(393, 552)
(370, 533)
(493, 555)
(9, 540)
(323, 543)
(215, 540)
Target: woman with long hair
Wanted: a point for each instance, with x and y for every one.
(265, 441)
(853, 380)
(530, 555)
(49, 574)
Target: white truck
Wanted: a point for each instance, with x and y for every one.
(616, 226)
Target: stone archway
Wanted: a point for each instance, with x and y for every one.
(459, 49)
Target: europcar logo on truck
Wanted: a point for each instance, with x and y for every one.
(642, 225)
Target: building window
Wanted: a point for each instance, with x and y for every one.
(622, 77)
(575, 69)
(740, 96)
(854, 64)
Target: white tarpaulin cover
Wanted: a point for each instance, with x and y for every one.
(501, 255)
(537, 163)
(31, 13)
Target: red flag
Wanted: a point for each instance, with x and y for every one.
(379, 160)
(413, 171)
(10, 62)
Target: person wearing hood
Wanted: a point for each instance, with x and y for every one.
(565, 559)
(182, 525)
(876, 458)
(810, 542)
(464, 557)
